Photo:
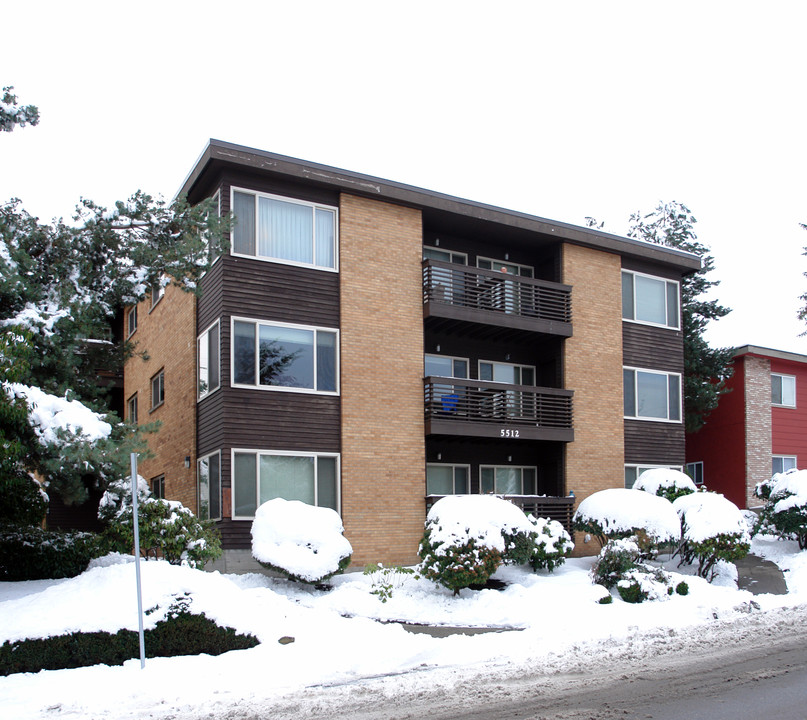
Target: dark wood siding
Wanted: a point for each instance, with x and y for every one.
(655, 443)
(653, 348)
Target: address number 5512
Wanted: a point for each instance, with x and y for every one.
(507, 433)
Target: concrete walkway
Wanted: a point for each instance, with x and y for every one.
(760, 576)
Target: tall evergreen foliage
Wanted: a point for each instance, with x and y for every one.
(62, 286)
(706, 369)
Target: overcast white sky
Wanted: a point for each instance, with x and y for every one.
(562, 110)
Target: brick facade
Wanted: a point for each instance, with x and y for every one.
(757, 390)
(593, 369)
(166, 334)
(383, 446)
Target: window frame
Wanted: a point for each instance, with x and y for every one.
(200, 395)
(159, 377)
(482, 467)
(158, 483)
(199, 462)
(641, 467)
(283, 198)
(454, 467)
(282, 388)
(775, 457)
(285, 453)
(646, 418)
(131, 321)
(783, 376)
(520, 366)
(668, 282)
(131, 409)
(450, 253)
(696, 470)
(494, 261)
(453, 359)
(157, 293)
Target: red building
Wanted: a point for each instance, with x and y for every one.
(759, 427)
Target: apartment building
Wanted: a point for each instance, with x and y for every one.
(759, 427)
(371, 346)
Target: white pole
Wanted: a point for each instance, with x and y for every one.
(137, 562)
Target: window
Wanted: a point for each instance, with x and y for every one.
(504, 267)
(209, 486)
(449, 256)
(650, 300)
(508, 480)
(652, 395)
(285, 230)
(695, 471)
(208, 361)
(783, 463)
(783, 390)
(632, 472)
(445, 366)
(506, 373)
(447, 479)
(259, 476)
(216, 209)
(131, 409)
(158, 389)
(158, 486)
(157, 294)
(285, 357)
(131, 319)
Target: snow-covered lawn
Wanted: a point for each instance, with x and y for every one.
(340, 635)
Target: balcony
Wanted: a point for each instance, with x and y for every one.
(477, 408)
(495, 302)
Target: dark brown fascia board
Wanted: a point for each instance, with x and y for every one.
(367, 185)
(769, 353)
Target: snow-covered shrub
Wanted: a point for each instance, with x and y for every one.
(166, 528)
(31, 553)
(644, 583)
(619, 513)
(619, 566)
(712, 529)
(665, 482)
(785, 512)
(22, 501)
(467, 537)
(384, 580)
(616, 558)
(551, 546)
(300, 541)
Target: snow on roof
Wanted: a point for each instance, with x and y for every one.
(49, 413)
(654, 478)
(302, 539)
(707, 514)
(619, 510)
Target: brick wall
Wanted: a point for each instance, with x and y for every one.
(167, 335)
(383, 447)
(757, 390)
(593, 369)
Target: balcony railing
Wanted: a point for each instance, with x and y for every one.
(544, 506)
(487, 409)
(476, 295)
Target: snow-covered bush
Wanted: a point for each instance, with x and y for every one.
(619, 566)
(551, 545)
(384, 580)
(619, 513)
(166, 528)
(785, 512)
(712, 529)
(22, 501)
(300, 541)
(467, 537)
(666, 483)
(616, 558)
(31, 553)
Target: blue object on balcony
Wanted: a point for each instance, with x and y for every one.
(449, 403)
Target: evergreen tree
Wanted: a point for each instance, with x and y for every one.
(62, 286)
(706, 369)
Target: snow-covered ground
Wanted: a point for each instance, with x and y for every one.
(346, 634)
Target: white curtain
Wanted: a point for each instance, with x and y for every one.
(285, 231)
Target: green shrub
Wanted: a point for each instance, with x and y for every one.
(519, 547)
(551, 546)
(342, 565)
(615, 559)
(387, 579)
(31, 553)
(605, 600)
(682, 588)
(723, 546)
(183, 633)
(457, 565)
(22, 501)
(631, 591)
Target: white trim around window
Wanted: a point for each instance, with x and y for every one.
(275, 228)
(650, 300)
(783, 390)
(633, 470)
(448, 479)
(208, 483)
(208, 361)
(262, 475)
(493, 371)
(508, 479)
(651, 395)
(695, 471)
(131, 321)
(432, 252)
(296, 358)
(783, 463)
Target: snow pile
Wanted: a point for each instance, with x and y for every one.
(789, 490)
(303, 540)
(705, 515)
(663, 479)
(618, 511)
(49, 414)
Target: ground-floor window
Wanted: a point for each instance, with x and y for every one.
(695, 471)
(158, 486)
(508, 479)
(448, 479)
(632, 472)
(783, 463)
(209, 483)
(262, 475)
